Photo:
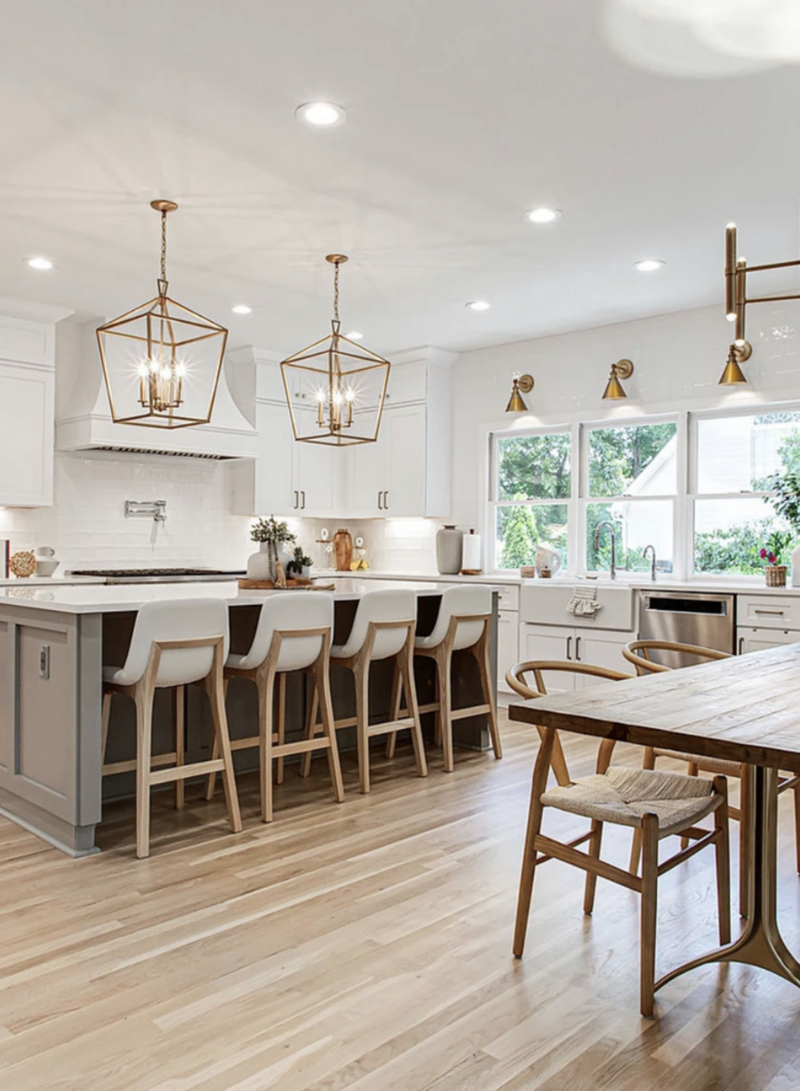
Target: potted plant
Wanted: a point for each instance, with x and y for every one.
(270, 535)
(772, 552)
(299, 565)
(786, 503)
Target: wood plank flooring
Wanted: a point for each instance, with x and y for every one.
(368, 946)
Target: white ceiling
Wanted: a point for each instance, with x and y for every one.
(462, 115)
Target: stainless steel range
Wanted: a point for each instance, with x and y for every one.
(159, 575)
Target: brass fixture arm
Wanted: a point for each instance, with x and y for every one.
(597, 529)
(652, 551)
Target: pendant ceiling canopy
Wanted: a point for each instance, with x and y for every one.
(162, 361)
(335, 388)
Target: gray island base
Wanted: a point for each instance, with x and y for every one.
(53, 644)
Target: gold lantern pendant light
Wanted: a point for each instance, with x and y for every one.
(345, 382)
(162, 361)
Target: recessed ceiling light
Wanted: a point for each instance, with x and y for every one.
(325, 115)
(543, 215)
(40, 263)
(649, 265)
(479, 305)
(242, 308)
(354, 335)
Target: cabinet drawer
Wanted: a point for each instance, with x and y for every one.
(508, 597)
(768, 611)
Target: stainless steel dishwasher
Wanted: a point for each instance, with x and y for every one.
(687, 617)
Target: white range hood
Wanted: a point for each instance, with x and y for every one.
(83, 418)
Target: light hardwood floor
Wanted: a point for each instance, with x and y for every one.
(368, 946)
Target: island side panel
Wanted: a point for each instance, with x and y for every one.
(50, 724)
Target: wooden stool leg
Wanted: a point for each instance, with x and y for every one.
(281, 724)
(591, 878)
(144, 750)
(648, 913)
(212, 777)
(107, 698)
(394, 704)
(322, 680)
(484, 669)
(745, 804)
(311, 725)
(648, 762)
(541, 771)
(723, 861)
(361, 672)
(179, 709)
(216, 693)
(445, 707)
(405, 662)
(266, 691)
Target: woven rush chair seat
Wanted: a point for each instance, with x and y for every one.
(623, 796)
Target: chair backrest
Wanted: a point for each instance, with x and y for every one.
(461, 601)
(516, 679)
(176, 619)
(640, 653)
(380, 606)
(291, 613)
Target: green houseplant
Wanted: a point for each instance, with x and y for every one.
(270, 535)
(300, 563)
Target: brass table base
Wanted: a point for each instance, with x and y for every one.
(761, 943)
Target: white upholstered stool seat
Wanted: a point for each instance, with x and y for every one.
(383, 628)
(462, 624)
(174, 643)
(293, 634)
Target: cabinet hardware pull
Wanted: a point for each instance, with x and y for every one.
(772, 613)
(577, 647)
(741, 645)
(296, 499)
(386, 499)
(569, 647)
(380, 505)
(303, 494)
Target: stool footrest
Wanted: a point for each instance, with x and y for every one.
(474, 710)
(183, 772)
(112, 767)
(390, 726)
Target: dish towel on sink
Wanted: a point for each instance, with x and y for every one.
(584, 602)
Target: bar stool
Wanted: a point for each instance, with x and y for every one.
(166, 651)
(383, 628)
(293, 634)
(463, 624)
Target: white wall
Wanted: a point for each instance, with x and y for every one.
(678, 359)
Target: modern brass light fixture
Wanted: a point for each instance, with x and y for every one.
(162, 361)
(622, 369)
(345, 381)
(520, 384)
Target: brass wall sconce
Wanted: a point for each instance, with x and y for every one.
(520, 384)
(162, 361)
(622, 369)
(346, 383)
(736, 301)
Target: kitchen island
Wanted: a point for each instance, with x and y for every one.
(54, 641)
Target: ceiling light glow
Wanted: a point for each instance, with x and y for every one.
(40, 263)
(322, 115)
(543, 215)
(478, 305)
(649, 265)
(354, 335)
(242, 308)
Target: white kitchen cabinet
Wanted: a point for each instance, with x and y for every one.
(598, 648)
(757, 639)
(388, 477)
(507, 645)
(316, 473)
(768, 611)
(265, 485)
(27, 389)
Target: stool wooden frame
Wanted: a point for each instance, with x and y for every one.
(147, 766)
(638, 652)
(446, 715)
(270, 740)
(402, 683)
(540, 848)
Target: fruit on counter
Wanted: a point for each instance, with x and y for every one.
(359, 565)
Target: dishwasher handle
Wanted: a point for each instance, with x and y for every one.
(676, 604)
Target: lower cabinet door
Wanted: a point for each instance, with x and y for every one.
(507, 645)
(549, 642)
(602, 650)
(756, 640)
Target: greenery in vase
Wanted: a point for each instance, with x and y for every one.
(270, 530)
(777, 543)
(298, 562)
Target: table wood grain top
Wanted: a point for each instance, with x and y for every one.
(746, 709)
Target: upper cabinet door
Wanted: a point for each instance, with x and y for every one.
(265, 485)
(406, 463)
(367, 469)
(317, 471)
(26, 435)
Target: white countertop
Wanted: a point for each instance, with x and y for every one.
(47, 581)
(105, 599)
(374, 574)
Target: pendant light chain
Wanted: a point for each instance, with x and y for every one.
(164, 244)
(336, 293)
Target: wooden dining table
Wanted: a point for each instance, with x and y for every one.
(744, 709)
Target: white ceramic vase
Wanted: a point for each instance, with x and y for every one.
(46, 561)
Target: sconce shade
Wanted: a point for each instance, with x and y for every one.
(733, 374)
(622, 369)
(520, 384)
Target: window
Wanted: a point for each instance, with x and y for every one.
(532, 491)
(735, 456)
(632, 478)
